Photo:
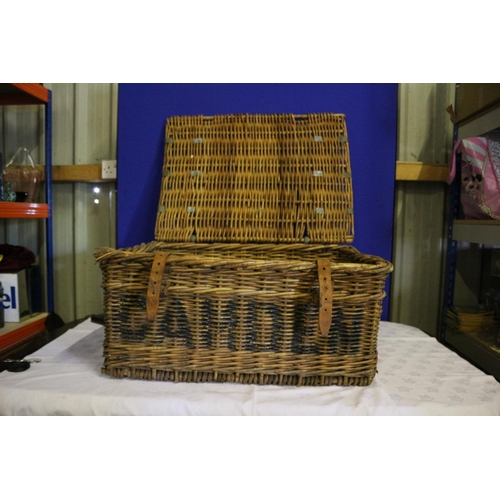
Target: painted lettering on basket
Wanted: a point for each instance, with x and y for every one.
(232, 325)
(253, 326)
(133, 326)
(335, 333)
(300, 331)
(242, 325)
(251, 314)
(340, 339)
(350, 331)
(265, 327)
(206, 317)
(176, 324)
(278, 324)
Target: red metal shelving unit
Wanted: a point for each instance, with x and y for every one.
(25, 94)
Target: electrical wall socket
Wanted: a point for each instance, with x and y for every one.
(108, 169)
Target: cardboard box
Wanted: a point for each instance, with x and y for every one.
(476, 98)
(21, 294)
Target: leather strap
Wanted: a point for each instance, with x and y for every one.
(154, 287)
(325, 295)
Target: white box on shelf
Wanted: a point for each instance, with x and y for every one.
(15, 301)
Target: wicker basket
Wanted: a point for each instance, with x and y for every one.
(246, 281)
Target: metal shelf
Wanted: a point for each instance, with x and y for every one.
(23, 93)
(35, 93)
(474, 347)
(480, 126)
(13, 210)
(12, 334)
(484, 232)
(477, 350)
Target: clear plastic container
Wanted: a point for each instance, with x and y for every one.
(23, 176)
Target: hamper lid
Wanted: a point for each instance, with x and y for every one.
(278, 178)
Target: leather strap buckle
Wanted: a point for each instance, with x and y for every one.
(325, 295)
(154, 287)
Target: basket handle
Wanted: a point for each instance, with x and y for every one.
(154, 286)
(325, 295)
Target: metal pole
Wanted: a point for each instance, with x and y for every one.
(48, 200)
(451, 244)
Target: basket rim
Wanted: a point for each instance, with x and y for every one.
(145, 253)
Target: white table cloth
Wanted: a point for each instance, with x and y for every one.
(416, 376)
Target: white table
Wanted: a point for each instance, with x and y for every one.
(416, 376)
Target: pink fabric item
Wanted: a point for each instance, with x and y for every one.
(480, 177)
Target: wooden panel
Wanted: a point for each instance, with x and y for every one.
(95, 228)
(75, 173)
(63, 123)
(474, 98)
(418, 255)
(482, 125)
(418, 171)
(425, 139)
(425, 131)
(94, 123)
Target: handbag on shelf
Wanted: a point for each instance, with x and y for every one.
(480, 176)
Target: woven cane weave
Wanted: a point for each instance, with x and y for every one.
(256, 178)
(243, 313)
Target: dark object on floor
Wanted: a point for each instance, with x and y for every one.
(12, 365)
(98, 319)
(53, 321)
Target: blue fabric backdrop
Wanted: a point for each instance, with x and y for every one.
(371, 117)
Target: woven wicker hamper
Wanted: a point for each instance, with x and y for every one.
(247, 280)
